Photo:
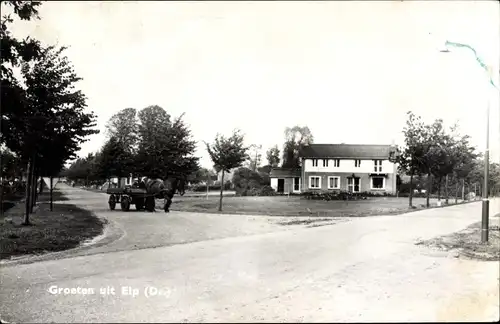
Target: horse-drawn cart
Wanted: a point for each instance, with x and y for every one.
(143, 195)
(131, 196)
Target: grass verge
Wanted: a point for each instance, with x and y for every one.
(467, 243)
(63, 228)
(295, 206)
(56, 196)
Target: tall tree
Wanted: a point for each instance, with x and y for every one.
(273, 156)
(227, 153)
(113, 160)
(166, 148)
(14, 53)
(254, 157)
(295, 139)
(52, 123)
(433, 139)
(124, 128)
(410, 159)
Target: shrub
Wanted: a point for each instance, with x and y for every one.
(204, 188)
(341, 195)
(267, 191)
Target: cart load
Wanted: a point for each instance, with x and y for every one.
(142, 195)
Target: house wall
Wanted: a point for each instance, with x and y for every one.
(348, 165)
(365, 181)
(274, 184)
(288, 184)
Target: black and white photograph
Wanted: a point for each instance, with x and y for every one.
(250, 161)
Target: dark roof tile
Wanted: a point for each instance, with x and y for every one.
(285, 173)
(365, 151)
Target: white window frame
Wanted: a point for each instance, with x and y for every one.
(293, 184)
(353, 185)
(336, 163)
(325, 163)
(371, 183)
(314, 162)
(338, 183)
(378, 163)
(319, 182)
(357, 163)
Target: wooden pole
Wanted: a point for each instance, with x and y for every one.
(410, 198)
(463, 189)
(33, 186)
(208, 180)
(221, 189)
(51, 191)
(446, 189)
(28, 195)
(456, 191)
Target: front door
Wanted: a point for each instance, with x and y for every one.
(296, 184)
(281, 185)
(353, 184)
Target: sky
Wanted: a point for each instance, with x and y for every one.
(348, 70)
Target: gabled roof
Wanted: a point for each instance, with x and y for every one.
(347, 151)
(284, 173)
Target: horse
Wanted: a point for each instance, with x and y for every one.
(174, 184)
(158, 188)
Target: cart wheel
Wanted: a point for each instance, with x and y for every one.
(150, 204)
(125, 203)
(112, 202)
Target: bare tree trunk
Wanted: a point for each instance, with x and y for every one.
(440, 180)
(410, 202)
(456, 191)
(463, 189)
(446, 189)
(429, 187)
(221, 190)
(51, 191)
(41, 185)
(33, 186)
(28, 195)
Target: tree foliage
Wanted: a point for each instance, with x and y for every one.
(273, 156)
(43, 118)
(201, 175)
(123, 127)
(295, 139)
(114, 160)
(227, 153)
(254, 157)
(432, 151)
(166, 148)
(10, 164)
(245, 179)
(52, 123)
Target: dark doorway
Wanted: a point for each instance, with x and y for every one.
(281, 185)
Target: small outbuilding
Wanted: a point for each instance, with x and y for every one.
(285, 180)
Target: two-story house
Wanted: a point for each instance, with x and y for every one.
(341, 167)
(349, 167)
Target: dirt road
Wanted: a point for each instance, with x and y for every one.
(367, 269)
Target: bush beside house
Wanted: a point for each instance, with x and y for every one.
(247, 182)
